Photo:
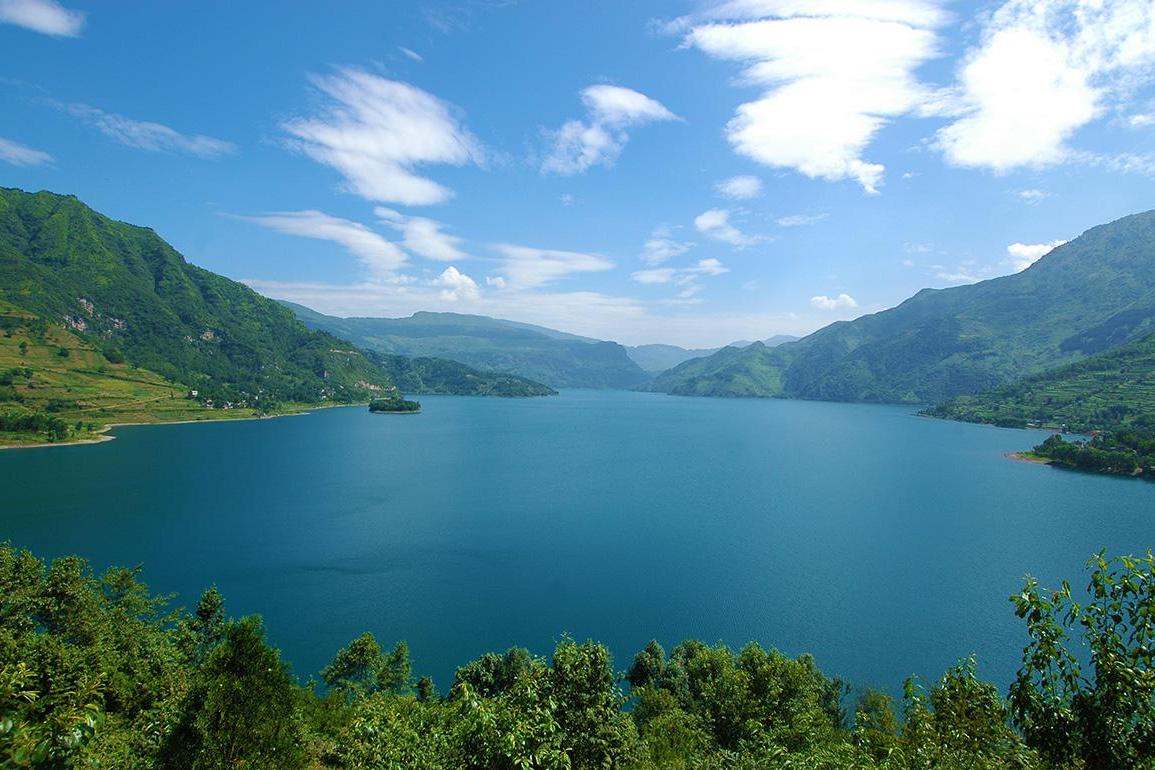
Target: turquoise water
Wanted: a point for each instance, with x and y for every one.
(884, 543)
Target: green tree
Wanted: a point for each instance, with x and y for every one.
(1104, 719)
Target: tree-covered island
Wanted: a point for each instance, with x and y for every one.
(394, 405)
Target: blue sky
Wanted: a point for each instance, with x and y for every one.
(682, 172)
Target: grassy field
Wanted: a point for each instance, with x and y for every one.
(75, 382)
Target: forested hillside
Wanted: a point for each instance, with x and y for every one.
(547, 356)
(1083, 298)
(132, 296)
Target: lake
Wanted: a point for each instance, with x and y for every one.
(884, 543)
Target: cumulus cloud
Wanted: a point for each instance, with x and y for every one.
(739, 188)
(600, 138)
(456, 286)
(375, 132)
(1023, 255)
(832, 74)
(381, 257)
(715, 224)
(18, 154)
(841, 302)
(423, 236)
(45, 16)
(661, 246)
(1043, 70)
(148, 136)
(526, 267)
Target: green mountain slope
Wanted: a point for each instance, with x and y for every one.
(131, 296)
(658, 358)
(488, 344)
(1087, 296)
(1107, 391)
(422, 376)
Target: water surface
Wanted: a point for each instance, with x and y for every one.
(884, 543)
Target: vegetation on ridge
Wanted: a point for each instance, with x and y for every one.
(98, 672)
(1085, 297)
(131, 299)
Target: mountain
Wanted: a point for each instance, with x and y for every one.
(122, 298)
(555, 358)
(659, 358)
(1084, 297)
(1106, 391)
(421, 376)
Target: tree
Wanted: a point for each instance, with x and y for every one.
(362, 669)
(1105, 720)
(243, 711)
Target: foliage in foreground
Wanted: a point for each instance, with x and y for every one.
(97, 672)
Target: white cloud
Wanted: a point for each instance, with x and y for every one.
(600, 138)
(567, 199)
(739, 187)
(1143, 120)
(525, 267)
(1033, 196)
(800, 220)
(381, 257)
(841, 302)
(45, 16)
(410, 53)
(18, 154)
(1023, 255)
(374, 132)
(681, 275)
(423, 236)
(148, 136)
(832, 73)
(655, 275)
(715, 224)
(1044, 69)
(661, 246)
(456, 286)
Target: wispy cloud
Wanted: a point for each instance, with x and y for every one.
(411, 54)
(148, 136)
(45, 16)
(382, 258)
(423, 236)
(800, 220)
(841, 302)
(1043, 70)
(526, 267)
(1033, 196)
(600, 138)
(715, 224)
(739, 188)
(375, 132)
(662, 246)
(18, 154)
(1023, 255)
(832, 73)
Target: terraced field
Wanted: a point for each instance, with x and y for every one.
(1104, 392)
(46, 369)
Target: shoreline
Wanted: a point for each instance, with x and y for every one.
(107, 428)
(1026, 457)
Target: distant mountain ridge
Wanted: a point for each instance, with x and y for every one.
(657, 358)
(1087, 296)
(554, 358)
